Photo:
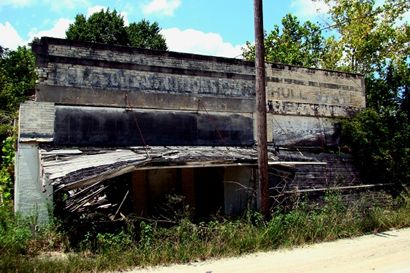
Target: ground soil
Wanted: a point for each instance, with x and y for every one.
(382, 252)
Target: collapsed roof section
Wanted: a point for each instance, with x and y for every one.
(96, 182)
(67, 169)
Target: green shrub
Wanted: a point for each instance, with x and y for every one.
(379, 142)
(15, 233)
(188, 241)
(7, 171)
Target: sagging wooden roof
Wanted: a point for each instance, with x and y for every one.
(71, 168)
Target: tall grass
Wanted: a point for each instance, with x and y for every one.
(21, 247)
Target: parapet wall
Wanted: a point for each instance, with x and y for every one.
(313, 92)
(302, 103)
(94, 74)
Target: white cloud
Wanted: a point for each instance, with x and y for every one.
(405, 19)
(406, 16)
(94, 9)
(97, 8)
(9, 37)
(125, 17)
(56, 5)
(161, 7)
(194, 41)
(309, 8)
(16, 3)
(57, 31)
(61, 5)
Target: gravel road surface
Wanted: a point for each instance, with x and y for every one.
(383, 252)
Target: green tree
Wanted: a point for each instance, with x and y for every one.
(380, 144)
(370, 35)
(108, 27)
(380, 135)
(17, 81)
(294, 43)
(373, 41)
(7, 170)
(387, 90)
(19, 69)
(101, 27)
(7, 99)
(146, 35)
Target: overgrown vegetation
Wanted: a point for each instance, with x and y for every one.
(18, 76)
(108, 27)
(293, 43)
(379, 136)
(7, 171)
(369, 38)
(380, 144)
(24, 248)
(17, 80)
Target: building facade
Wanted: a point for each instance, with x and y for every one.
(119, 130)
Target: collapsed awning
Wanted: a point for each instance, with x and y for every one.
(74, 168)
(85, 175)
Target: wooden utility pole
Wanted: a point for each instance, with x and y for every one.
(261, 108)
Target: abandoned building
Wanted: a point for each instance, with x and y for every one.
(114, 130)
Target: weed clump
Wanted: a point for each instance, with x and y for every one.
(144, 243)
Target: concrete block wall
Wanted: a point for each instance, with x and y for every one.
(304, 104)
(113, 127)
(287, 130)
(31, 198)
(339, 171)
(313, 92)
(36, 126)
(80, 73)
(94, 74)
(36, 121)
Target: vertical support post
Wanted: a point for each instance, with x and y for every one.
(261, 107)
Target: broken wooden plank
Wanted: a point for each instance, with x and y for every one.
(297, 191)
(73, 168)
(119, 207)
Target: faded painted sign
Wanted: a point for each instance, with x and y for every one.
(309, 92)
(73, 70)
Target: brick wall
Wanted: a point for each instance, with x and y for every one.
(36, 121)
(94, 74)
(302, 103)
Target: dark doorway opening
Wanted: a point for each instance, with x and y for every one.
(209, 191)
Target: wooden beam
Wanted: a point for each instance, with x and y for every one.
(97, 178)
(355, 187)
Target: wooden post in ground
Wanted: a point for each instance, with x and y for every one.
(261, 108)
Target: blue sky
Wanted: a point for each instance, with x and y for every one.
(211, 27)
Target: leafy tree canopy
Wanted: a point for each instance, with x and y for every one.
(371, 39)
(294, 43)
(371, 36)
(17, 80)
(146, 35)
(374, 41)
(108, 27)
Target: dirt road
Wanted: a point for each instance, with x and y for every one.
(383, 252)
